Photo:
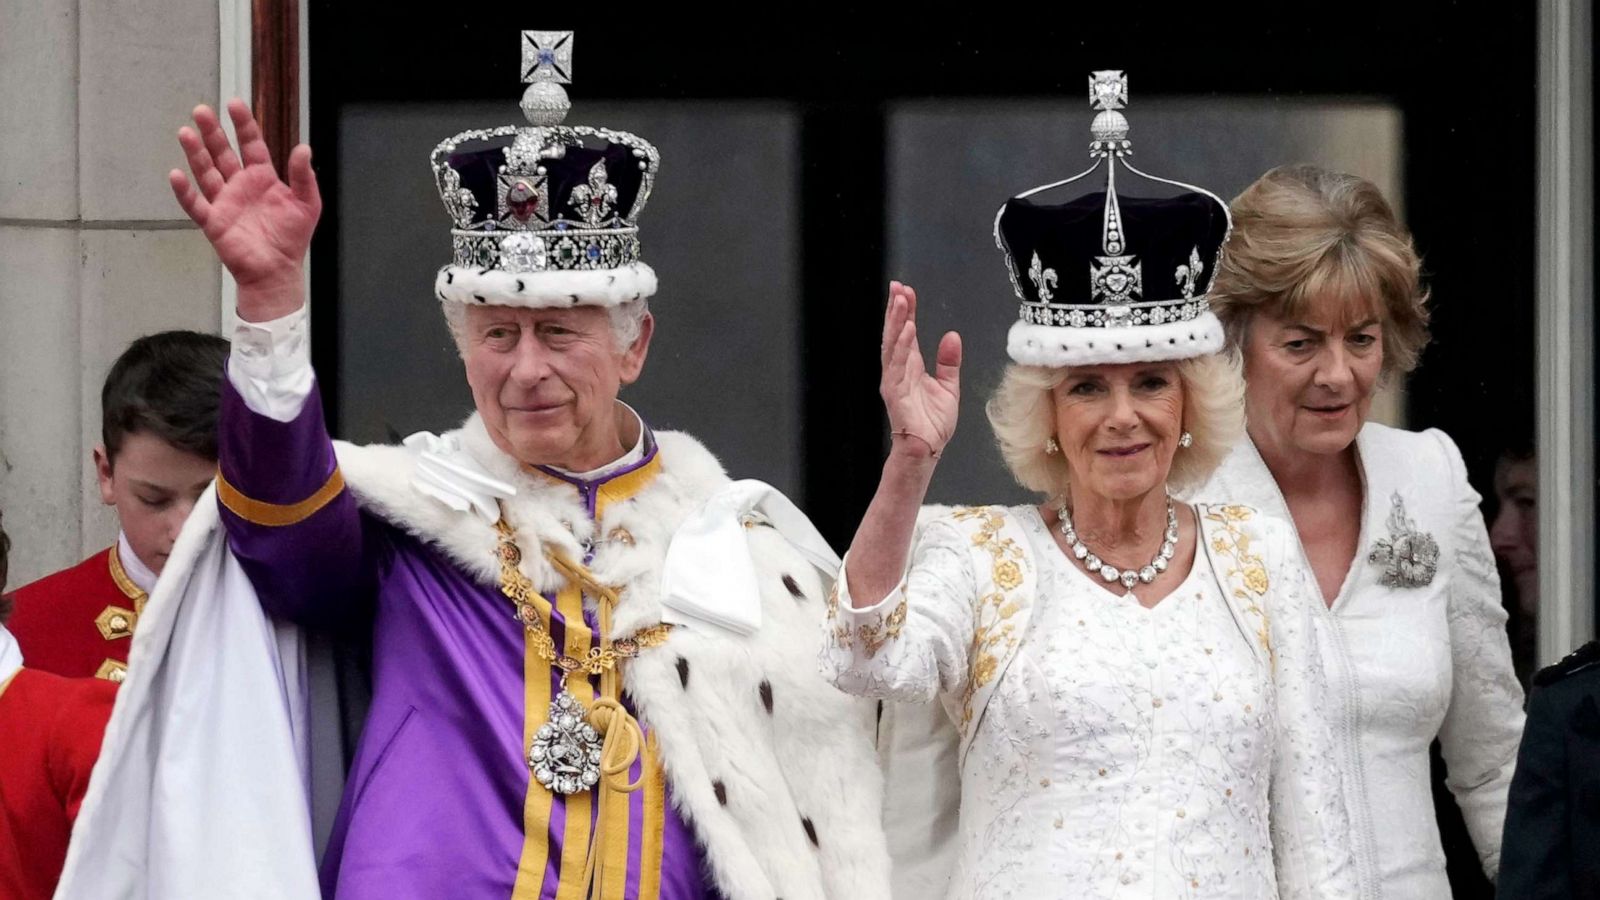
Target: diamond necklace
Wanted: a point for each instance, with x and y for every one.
(1128, 577)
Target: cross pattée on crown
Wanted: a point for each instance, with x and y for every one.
(547, 56)
(1108, 89)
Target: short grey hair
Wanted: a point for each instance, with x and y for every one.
(627, 321)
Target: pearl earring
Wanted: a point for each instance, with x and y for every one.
(1186, 440)
(1051, 447)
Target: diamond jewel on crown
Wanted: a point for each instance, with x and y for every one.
(1115, 280)
(1108, 92)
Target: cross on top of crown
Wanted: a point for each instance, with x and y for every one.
(1108, 89)
(547, 56)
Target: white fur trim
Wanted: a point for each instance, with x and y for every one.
(705, 693)
(749, 780)
(1049, 345)
(541, 290)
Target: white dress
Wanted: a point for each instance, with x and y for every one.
(1124, 752)
(1424, 655)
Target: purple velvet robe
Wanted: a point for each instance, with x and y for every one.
(438, 802)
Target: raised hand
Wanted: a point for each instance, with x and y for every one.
(259, 226)
(922, 408)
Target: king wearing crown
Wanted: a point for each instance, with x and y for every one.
(594, 656)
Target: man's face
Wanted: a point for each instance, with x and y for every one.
(545, 381)
(1514, 533)
(153, 486)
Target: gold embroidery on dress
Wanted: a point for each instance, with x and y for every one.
(993, 634)
(1248, 578)
(1007, 575)
(872, 635)
(841, 631)
(875, 635)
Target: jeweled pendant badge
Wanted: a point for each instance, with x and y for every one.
(565, 755)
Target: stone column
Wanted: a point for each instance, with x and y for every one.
(93, 249)
(1566, 360)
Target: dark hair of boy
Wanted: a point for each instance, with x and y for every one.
(168, 385)
(5, 569)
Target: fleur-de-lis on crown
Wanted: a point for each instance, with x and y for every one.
(1042, 278)
(1189, 275)
(458, 201)
(594, 200)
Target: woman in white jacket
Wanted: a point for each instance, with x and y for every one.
(1135, 681)
(1320, 296)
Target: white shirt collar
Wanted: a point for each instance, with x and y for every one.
(627, 459)
(10, 655)
(138, 572)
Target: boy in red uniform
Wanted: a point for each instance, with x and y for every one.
(50, 731)
(158, 453)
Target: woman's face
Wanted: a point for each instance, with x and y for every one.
(1309, 379)
(1118, 427)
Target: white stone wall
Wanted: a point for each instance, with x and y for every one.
(93, 249)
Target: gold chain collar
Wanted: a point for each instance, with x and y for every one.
(525, 598)
(620, 736)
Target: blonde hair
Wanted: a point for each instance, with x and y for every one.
(1301, 233)
(1022, 414)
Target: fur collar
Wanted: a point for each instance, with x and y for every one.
(630, 541)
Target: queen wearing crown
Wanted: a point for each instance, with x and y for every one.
(1134, 681)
